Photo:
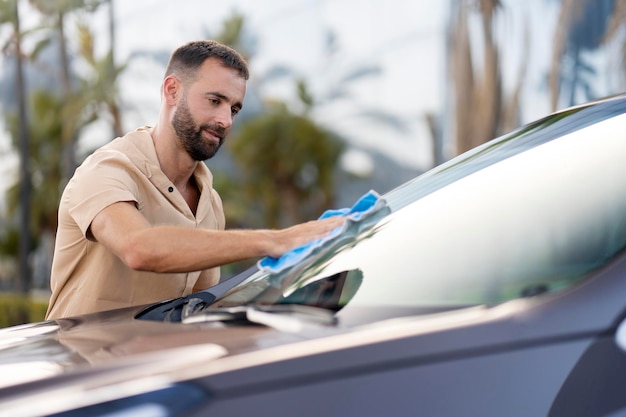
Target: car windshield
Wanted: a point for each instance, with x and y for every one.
(532, 212)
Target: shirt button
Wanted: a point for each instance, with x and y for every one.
(170, 189)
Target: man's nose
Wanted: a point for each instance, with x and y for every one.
(225, 117)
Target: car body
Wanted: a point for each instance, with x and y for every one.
(492, 285)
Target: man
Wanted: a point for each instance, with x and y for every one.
(140, 221)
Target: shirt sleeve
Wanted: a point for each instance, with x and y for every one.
(103, 179)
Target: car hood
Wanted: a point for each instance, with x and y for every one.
(111, 354)
(50, 348)
(100, 340)
(105, 339)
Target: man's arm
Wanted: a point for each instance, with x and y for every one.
(122, 229)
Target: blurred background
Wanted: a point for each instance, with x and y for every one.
(345, 96)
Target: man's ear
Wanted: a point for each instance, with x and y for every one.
(171, 89)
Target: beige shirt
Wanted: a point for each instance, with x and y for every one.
(86, 277)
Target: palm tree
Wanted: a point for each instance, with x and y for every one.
(477, 94)
(481, 108)
(9, 13)
(45, 109)
(54, 116)
(81, 97)
(45, 156)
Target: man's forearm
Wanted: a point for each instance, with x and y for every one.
(178, 249)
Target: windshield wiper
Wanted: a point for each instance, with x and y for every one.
(173, 310)
(283, 317)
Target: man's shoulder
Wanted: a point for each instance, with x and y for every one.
(138, 140)
(135, 147)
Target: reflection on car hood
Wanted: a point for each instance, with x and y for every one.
(113, 341)
(55, 347)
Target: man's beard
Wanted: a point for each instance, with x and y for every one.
(190, 135)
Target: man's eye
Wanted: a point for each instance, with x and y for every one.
(234, 111)
(214, 100)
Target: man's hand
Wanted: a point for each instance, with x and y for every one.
(294, 236)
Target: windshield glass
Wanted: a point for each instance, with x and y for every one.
(531, 222)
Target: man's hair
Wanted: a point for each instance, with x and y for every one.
(186, 59)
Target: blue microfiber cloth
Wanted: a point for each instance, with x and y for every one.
(367, 205)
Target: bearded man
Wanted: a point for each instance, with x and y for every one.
(139, 221)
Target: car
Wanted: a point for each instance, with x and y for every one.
(491, 285)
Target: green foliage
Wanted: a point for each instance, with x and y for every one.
(231, 31)
(9, 242)
(288, 163)
(304, 94)
(55, 117)
(7, 11)
(46, 153)
(18, 309)
(55, 7)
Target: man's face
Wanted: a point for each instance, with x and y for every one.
(191, 135)
(205, 112)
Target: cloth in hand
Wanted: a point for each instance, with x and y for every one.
(365, 206)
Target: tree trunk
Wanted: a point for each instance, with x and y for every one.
(113, 106)
(462, 72)
(25, 183)
(68, 129)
